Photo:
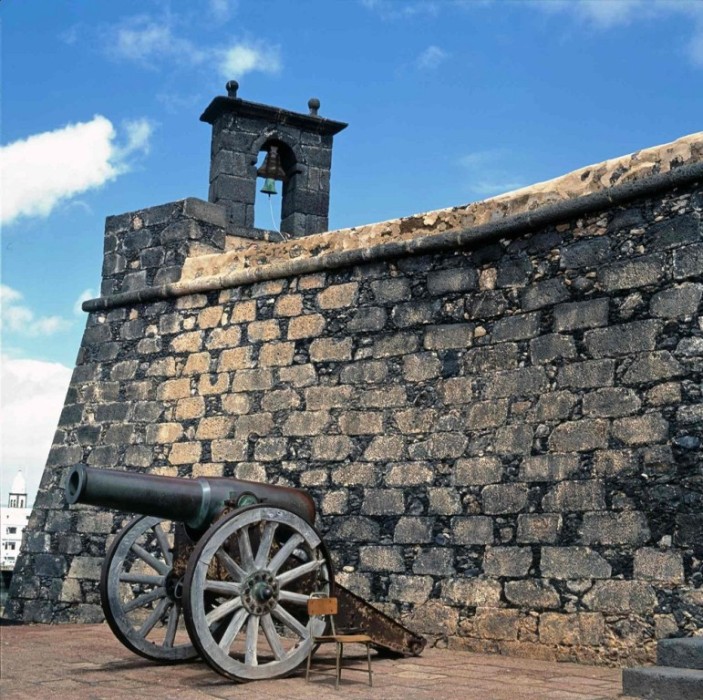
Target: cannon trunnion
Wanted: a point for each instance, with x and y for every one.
(221, 568)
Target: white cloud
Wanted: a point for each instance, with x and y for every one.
(222, 10)
(20, 319)
(406, 9)
(150, 41)
(491, 188)
(71, 35)
(138, 133)
(695, 48)
(8, 295)
(143, 39)
(602, 13)
(430, 58)
(33, 394)
(610, 14)
(247, 57)
(46, 169)
(487, 173)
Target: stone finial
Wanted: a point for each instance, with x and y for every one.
(232, 87)
(314, 105)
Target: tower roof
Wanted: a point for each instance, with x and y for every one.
(19, 485)
(274, 115)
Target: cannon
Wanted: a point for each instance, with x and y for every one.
(220, 568)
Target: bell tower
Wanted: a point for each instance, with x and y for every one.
(298, 151)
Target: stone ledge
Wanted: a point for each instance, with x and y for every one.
(207, 273)
(681, 653)
(191, 207)
(663, 683)
(586, 181)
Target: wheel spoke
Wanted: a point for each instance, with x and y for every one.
(231, 566)
(291, 597)
(284, 552)
(221, 610)
(172, 625)
(163, 543)
(232, 630)
(144, 599)
(222, 587)
(292, 574)
(150, 559)
(142, 578)
(250, 658)
(272, 637)
(262, 554)
(135, 596)
(289, 621)
(155, 616)
(245, 549)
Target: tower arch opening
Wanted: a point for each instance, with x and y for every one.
(273, 194)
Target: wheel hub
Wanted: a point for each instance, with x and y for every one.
(260, 592)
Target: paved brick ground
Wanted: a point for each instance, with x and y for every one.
(87, 662)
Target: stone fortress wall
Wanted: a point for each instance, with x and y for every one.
(497, 408)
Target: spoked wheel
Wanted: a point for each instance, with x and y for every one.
(246, 591)
(141, 595)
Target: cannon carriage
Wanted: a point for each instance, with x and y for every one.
(220, 568)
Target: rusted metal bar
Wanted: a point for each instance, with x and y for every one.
(387, 634)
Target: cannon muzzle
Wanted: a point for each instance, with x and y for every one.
(195, 502)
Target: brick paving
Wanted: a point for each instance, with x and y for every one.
(86, 662)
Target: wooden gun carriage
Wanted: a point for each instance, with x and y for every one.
(221, 568)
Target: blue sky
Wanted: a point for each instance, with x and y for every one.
(448, 102)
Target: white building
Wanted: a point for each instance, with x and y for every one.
(13, 520)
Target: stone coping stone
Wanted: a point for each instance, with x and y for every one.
(241, 253)
(683, 653)
(663, 683)
(191, 208)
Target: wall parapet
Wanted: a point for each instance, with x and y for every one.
(147, 248)
(199, 281)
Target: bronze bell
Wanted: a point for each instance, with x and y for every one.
(271, 170)
(269, 187)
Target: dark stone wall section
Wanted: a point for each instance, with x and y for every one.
(503, 443)
(147, 248)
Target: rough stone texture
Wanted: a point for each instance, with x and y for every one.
(573, 563)
(585, 629)
(150, 246)
(503, 440)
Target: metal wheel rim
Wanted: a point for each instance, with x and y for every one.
(131, 632)
(215, 632)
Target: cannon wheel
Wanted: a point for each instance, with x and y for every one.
(246, 590)
(141, 597)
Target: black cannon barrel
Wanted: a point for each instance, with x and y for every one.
(195, 502)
